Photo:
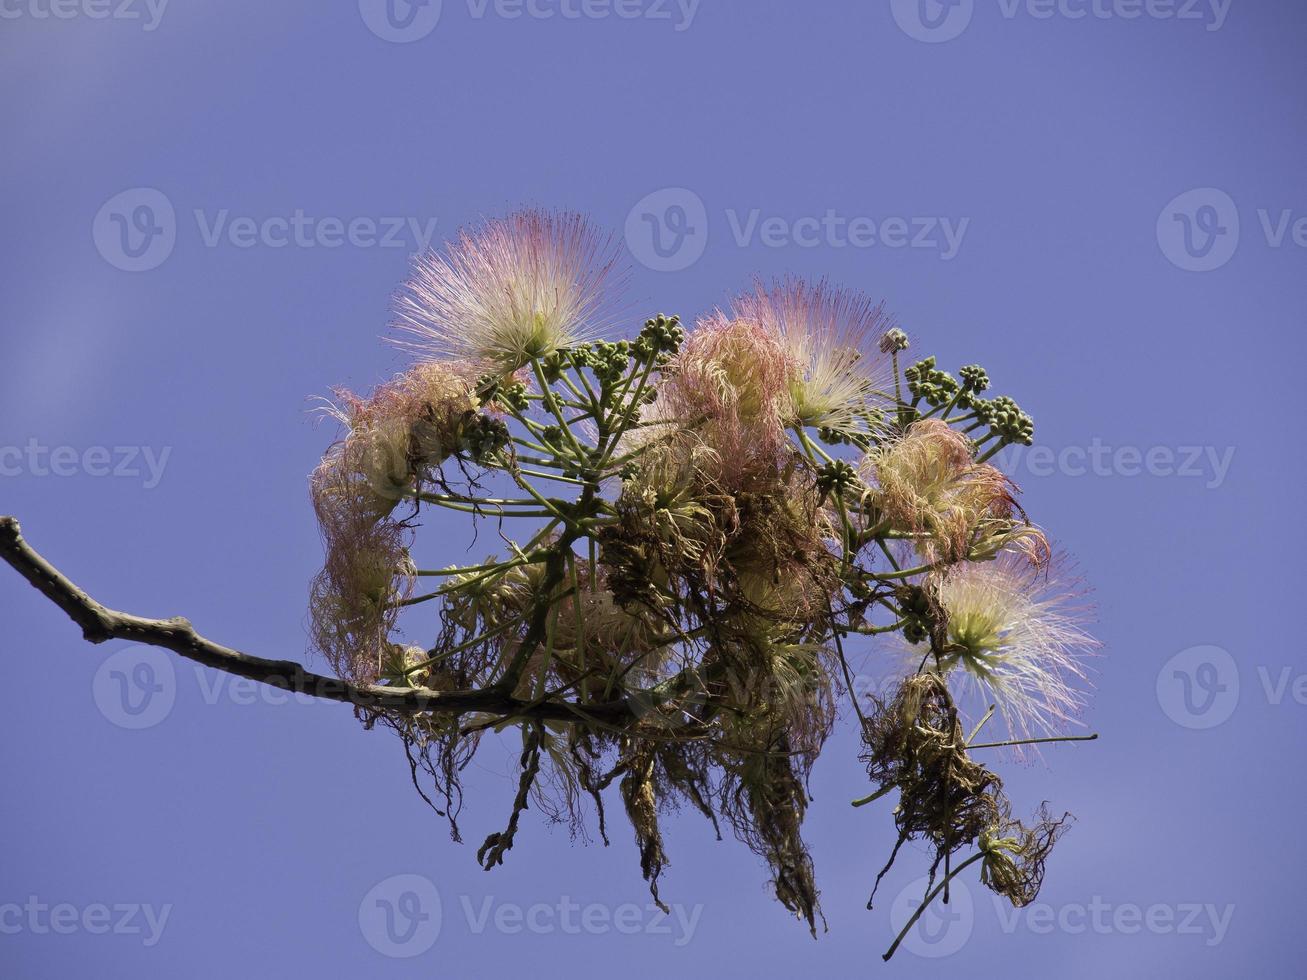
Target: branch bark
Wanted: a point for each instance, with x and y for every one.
(99, 623)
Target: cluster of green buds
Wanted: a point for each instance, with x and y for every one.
(917, 616)
(836, 477)
(662, 336)
(608, 361)
(1005, 417)
(894, 341)
(873, 420)
(974, 380)
(943, 393)
(506, 392)
(485, 436)
(929, 384)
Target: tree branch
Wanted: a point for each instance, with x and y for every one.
(100, 623)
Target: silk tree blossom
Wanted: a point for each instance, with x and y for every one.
(513, 289)
(927, 481)
(680, 622)
(1016, 639)
(842, 379)
(407, 425)
(728, 387)
(366, 572)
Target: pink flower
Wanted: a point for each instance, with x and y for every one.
(515, 288)
(842, 379)
(728, 388)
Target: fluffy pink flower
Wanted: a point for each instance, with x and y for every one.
(512, 289)
(729, 388)
(842, 379)
(927, 480)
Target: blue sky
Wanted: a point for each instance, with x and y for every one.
(207, 208)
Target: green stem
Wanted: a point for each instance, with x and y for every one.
(627, 414)
(877, 630)
(1035, 741)
(488, 567)
(552, 404)
(874, 796)
(930, 898)
(905, 572)
(993, 449)
(490, 635)
(981, 724)
(483, 511)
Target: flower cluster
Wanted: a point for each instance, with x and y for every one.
(715, 521)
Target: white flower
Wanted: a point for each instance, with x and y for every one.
(513, 289)
(1015, 639)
